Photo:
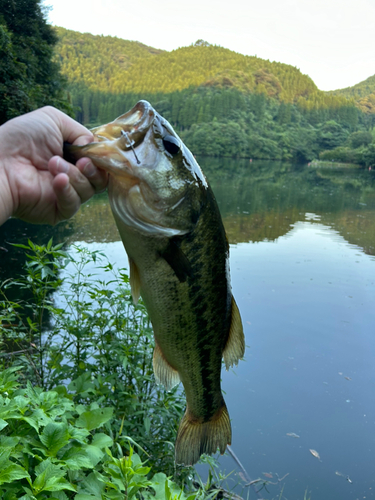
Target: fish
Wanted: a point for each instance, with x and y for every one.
(292, 434)
(315, 454)
(173, 234)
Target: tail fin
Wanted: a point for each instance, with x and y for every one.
(194, 438)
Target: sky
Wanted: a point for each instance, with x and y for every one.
(332, 41)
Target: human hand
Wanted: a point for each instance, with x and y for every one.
(36, 183)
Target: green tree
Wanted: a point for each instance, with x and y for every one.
(86, 108)
(332, 135)
(13, 97)
(360, 138)
(369, 156)
(29, 77)
(284, 114)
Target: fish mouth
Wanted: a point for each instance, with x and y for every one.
(117, 149)
(134, 124)
(113, 148)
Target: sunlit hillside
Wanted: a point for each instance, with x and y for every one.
(222, 103)
(113, 65)
(363, 94)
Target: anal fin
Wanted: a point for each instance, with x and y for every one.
(164, 373)
(135, 281)
(235, 346)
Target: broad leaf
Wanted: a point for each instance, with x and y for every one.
(8, 442)
(11, 473)
(54, 437)
(59, 495)
(2, 424)
(32, 422)
(94, 453)
(77, 459)
(92, 486)
(94, 418)
(46, 471)
(58, 484)
(4, 458)
(102, 440)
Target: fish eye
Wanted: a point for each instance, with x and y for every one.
(171, 144)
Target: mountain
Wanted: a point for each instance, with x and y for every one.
(221, 103)
(363, 94)
(109, 64)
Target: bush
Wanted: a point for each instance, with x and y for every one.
(360, 138)
(342, 154)
(52, 448)
(85, 394)
(108, 343)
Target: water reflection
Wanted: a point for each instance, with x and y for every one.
(307, 306)
(303, 274)
(258, 201)
(261, 201)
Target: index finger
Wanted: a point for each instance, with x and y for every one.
(72, 131)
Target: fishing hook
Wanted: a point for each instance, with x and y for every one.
(130, 144)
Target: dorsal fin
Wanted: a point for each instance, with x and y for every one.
(135, 281)
(164, 373)
(235, 346)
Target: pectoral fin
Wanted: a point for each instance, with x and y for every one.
(164, 373)
(177, 260)
(235, 347)
(135, 281)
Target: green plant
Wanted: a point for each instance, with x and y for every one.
(85, 395)
(51, 447)
(108, 343)
(22, 323)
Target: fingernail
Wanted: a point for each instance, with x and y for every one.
(62, 167)
(89, 169)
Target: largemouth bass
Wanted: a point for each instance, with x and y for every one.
(178, 253)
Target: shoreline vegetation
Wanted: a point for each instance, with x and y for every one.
(333, 164)
(220, 102)
(88, 421)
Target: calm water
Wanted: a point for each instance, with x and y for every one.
(303, 274)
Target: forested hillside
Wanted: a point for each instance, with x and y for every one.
(219, 101)
(109, 64)
(363, 94)
(98, 61)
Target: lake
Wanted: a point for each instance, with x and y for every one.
(303, 275)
